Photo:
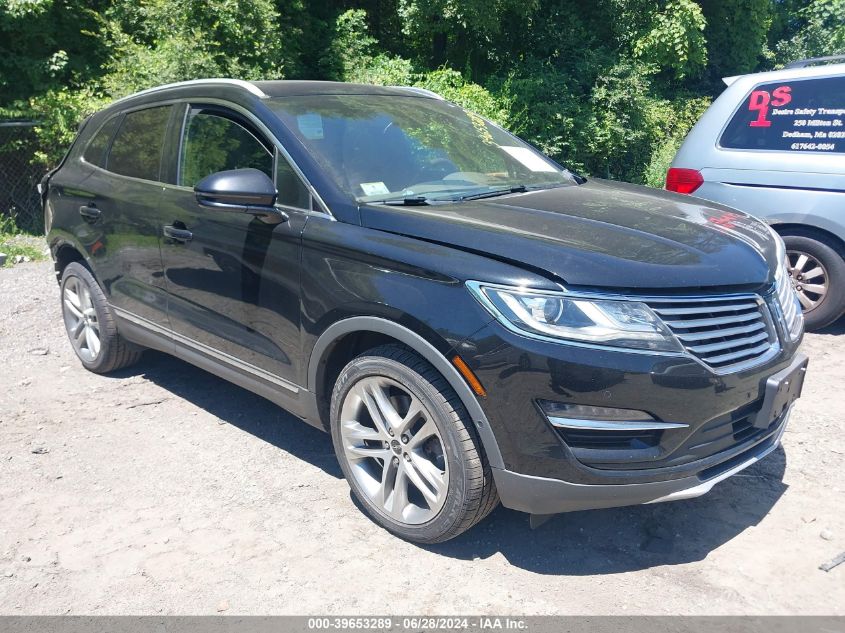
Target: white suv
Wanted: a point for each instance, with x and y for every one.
(773, 145)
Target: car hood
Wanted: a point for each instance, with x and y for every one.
(600, 233)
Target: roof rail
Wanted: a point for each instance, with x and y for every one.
(422, 91)
(246, 85)
(803, 63)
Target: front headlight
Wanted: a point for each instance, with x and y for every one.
(559, 315)
(790, 306)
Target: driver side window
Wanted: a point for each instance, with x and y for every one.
(212, 142)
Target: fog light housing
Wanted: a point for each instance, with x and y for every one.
(579, 416)
(597, 434)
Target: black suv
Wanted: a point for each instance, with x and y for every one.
(470, 321)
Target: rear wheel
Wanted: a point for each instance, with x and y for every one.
(408, 448)
(817, 272)
(90, 324)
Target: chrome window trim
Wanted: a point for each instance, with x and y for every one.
(425, 92)
(274, 142)
(123, 113)
(252, 119)
(282, 207)
(205, 349)
(106, 121)
(186, 116)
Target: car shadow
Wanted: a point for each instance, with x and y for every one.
(628, 539)
(837, 327)
(238, 407)
(578, 543)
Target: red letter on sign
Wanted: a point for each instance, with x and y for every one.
(759, 101)
(781, 96)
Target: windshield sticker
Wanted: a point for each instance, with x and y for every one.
(529, 159)
(374, 188)
(311, 126)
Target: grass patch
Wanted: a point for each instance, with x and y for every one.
(15, 246)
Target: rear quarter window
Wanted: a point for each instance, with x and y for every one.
(95, 152)
(806, 115)
(136, 149)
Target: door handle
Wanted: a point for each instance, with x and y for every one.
(176, 234)
(90, 212)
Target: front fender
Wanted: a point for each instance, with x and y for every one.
(422, 347)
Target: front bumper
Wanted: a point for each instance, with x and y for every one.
(543, 474)
(540, 495)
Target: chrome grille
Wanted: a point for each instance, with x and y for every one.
(726, 333)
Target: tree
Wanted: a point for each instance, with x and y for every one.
(736, 35)
(46, 43)
(456, 33)
(814, 30)
(676, 40)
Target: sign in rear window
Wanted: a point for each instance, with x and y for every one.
(799, 116)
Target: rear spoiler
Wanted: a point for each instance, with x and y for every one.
(730, 80)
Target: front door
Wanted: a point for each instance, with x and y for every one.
(232, 278)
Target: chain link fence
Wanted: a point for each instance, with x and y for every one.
(18, 176)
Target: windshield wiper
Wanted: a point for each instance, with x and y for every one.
(494, 193)
(416, 201)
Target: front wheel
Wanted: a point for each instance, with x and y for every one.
(408, 448)
(817, 273)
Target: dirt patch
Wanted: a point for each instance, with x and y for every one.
(164, 489)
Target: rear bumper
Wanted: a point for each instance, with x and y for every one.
(541, 495)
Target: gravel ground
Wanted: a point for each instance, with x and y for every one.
(164, 489)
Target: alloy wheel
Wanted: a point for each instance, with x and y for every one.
(80, 317)
(809, 278)
(394, 450)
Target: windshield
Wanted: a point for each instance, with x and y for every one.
(383, 147)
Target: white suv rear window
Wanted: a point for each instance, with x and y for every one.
(806, 115)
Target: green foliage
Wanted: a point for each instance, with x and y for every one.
(351, 52)
(608, 88)
(16, 246)
(457, 32)
(820, 31)
(161, 41)
(14, 243)
(8, 226)
(549, 110)
(736, 34)
(671, 121)
(676, 40)
(452, 86)
(383, 70)
(47, 44)
(59, 113)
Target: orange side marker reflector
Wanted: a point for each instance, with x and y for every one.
(470, 377)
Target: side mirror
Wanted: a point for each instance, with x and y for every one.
(245, 190)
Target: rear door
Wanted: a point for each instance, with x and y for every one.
(232, 278)
(118, 205)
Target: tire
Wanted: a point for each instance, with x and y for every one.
(818, 255)
(81, 296)
(439, 451)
